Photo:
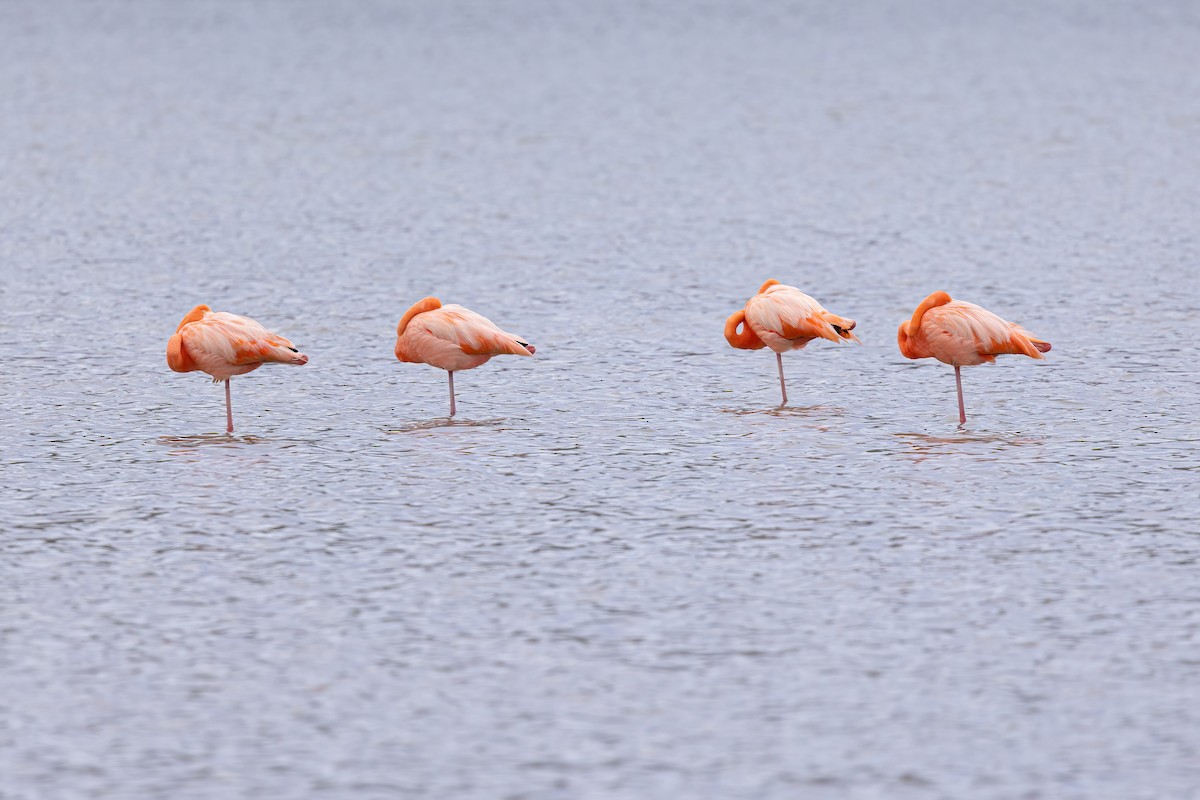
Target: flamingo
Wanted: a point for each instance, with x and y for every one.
(784, 318)
(224, 345)
(963, 334)
(453, 338)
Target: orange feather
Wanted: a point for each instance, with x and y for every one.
(963, 334)
(452, 338)
(224, 345)
(784, 318)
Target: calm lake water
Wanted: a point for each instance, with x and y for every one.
(620, 573)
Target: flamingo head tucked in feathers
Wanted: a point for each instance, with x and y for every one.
(908, 347)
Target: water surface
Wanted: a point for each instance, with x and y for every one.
(621, 572)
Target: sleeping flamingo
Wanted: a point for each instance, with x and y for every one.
(453, 338)
(784, 318)
(224, 345)
(963, 334)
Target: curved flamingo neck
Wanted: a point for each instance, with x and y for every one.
(195, 314)
(933, 301)
(767, 285)
(909, 348)
(745, 339)
(178, 358)
(419, 307)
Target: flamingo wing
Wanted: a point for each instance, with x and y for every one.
(236, 341)
(990, 334)
(790, 314)
(474, 334)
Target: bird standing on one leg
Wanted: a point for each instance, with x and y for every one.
(224, 345)
(453, 338)
(784, 318)
(963, 334)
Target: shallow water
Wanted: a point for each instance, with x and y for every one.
(620, 572)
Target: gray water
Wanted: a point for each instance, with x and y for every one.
(620, 573)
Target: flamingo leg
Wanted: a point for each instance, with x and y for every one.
(962, 410)
(782, 385)
(228, 409)
(451, 374)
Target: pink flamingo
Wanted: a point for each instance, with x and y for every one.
(784, 318)
(963, 334)
(224, 345)
(453, 338)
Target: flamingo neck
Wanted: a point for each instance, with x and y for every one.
(419, 307)
(745, 339)
(932, 301)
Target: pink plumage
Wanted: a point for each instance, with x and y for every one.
(963, 334)
(223, 345)
(784, 318)
(453, 338)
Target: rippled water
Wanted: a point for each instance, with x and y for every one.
(620, 573)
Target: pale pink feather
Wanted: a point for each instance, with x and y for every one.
(964, 334)
(455, 338)
(224, 345)
(785, 318)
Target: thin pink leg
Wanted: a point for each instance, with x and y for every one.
(228, 409)
(452, 408)
(962, 410)
(782, 385)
